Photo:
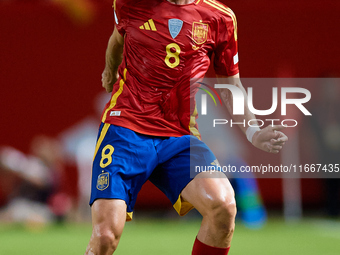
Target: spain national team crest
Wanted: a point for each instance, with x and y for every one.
(199, 32)
(175, 26)
(103, 181)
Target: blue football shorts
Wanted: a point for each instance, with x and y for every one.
(124, 160)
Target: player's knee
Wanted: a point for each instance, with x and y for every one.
(224, 209)
(107, 240)
(222, 214)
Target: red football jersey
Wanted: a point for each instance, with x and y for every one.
(165, 47)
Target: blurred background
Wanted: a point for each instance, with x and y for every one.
(51, 59)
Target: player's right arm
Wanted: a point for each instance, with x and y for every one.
(113, 58)
(269, 139)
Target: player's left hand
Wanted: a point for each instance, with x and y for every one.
(270, 139)
(108, 79)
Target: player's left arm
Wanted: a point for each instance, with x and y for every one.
(269, 139)
(113, 58)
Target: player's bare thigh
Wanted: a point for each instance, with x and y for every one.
(108, 220)
(213, 196)
(208, 190)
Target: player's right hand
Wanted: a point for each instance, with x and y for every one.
(108, 79)
(270, 139)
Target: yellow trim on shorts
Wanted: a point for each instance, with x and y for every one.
(99, 142)
(129, 216)
(181, 207)
(101, 138)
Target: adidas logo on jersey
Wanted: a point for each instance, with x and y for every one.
(149, 25)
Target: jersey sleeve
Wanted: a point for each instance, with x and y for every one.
(226, 50)
(120, 15)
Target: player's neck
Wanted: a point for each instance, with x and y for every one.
(181, 2)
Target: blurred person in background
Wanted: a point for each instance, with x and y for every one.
(325, 127)
(78, 142)
(35, 198)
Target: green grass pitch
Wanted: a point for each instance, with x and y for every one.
(169, 237)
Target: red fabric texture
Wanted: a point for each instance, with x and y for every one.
(203, 249)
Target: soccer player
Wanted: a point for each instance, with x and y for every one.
(148, 128)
